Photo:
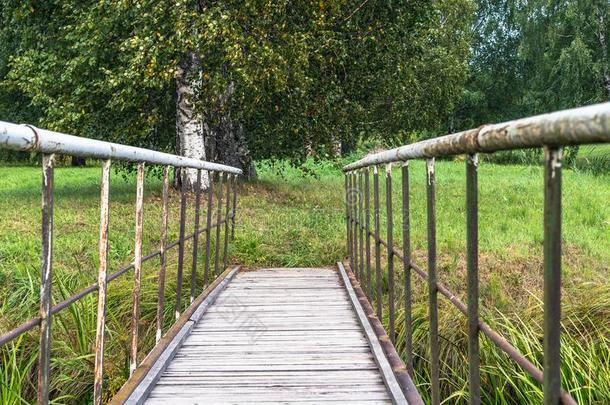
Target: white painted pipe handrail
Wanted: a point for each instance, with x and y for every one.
(28, 138)
(578, 126)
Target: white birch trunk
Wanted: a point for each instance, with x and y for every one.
(604, 45)
(189, 121)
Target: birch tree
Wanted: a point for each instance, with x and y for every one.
(235, 80)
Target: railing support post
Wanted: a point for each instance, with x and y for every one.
(379, 301)
(137, 270)
(552, 275)
(218, 219)
(406, 251)
(44, 359)
(102, 282)
(208, 228)
(348, 218)
(472, 242)
(234, 207)
(356, 201)
(367, 222)
(390, 240)
(162, 257)
(195, 237)
(350, 201)
(181, 243)
(227, 212)
(361, 226)
(432, 287)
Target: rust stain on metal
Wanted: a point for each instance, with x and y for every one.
(227, 212)
(584, 125)
(195, 236)
(46, 299)
(102, 282)
(218, 219)
(181, 243)
(234, 207)
(208, 225)
(36, 144)
(162, 258)
(137, 277)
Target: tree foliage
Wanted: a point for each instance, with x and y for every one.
(306, 74)
(535, 56)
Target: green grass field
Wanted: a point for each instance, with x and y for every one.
(286, 219)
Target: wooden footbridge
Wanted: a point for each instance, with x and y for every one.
(273, 336)
(302, 335)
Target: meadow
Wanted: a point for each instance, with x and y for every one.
(295, 217)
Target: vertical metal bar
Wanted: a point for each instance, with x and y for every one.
(361, 225)
(218, 219)
(162, 258)
(367, 226)
(102, 283)
(137, 269)
(377, 241)
(356, 201)
(234, 207)
(406, 249)
(390, 240)
(352, 204)
(181, 243)
(348, 218)
(472, 246)
(195, 237)
(552, 275)
(208, 228)
(44, 360)
(432, 287)
(227, 212)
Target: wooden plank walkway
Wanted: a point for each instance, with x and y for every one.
(279, 336)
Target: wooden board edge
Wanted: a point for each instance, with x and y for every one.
(137, 387)
(392, 368)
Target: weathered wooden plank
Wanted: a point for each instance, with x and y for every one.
(276, 336)
(384, 366)
(220, 401)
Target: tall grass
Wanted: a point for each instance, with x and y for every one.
(594, 159)
(585, 352)
(295, 217)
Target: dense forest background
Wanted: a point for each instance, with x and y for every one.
(257, 79)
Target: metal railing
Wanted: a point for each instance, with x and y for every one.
(31, 139)
(551, 132)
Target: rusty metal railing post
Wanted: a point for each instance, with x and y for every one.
(353, 201)
(357, 226)
(234, 207)
(432, 287)
(208, 228)
(181, 243)
(137, 270)
(102, 282)
(379, 297)
(195, 237)
(218, 219)
(552, 275)
(162, 257)
(367, 225)
(348, 219)
(361, 225)
(406, 251)
(472, 246)
(390, 240)
(46, 280)
(227, 212)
